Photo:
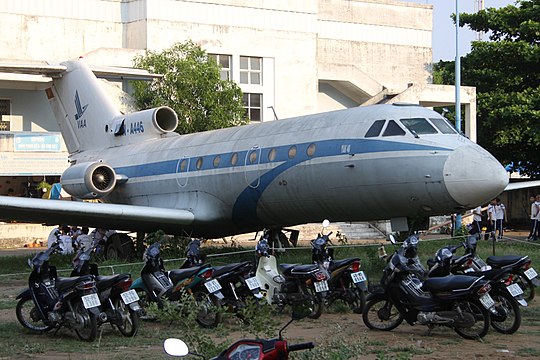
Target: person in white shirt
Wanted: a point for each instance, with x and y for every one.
(533, 217)
(84, 241)
(500, 215)
(491, 218)
(477, 220)
(54, 236)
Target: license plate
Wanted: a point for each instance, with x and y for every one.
(531, 274)
(129, 296)
(253, 283)
(321, 286)
(90, 301)
(358, 277)
(212, 286)
(514, 289)
(487, 301)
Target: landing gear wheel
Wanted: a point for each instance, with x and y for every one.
(86, 327)
(526, 285)
(481, 317)
(511, 319)
(28, 316)
(119, 246)
(128, 322)
(381, 314)
(209, 314)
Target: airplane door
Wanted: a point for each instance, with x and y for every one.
(251, 167)
(182, 169)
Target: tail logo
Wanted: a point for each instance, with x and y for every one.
(81, 123)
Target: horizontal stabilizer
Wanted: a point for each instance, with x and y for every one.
(109, 216)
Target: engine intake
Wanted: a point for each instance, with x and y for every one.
(90, 180)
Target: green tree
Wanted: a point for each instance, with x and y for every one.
(506, 73)
(191, 85)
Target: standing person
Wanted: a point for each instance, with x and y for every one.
(477, 220)
(533, 217)
(536, 234)
(491, 219)
(500, 215)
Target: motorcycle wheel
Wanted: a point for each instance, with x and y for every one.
(526, 285)
(481, 316)
(209, 314)
(381, 314)
(355, 298)
(512, 319)
(128, 324)
(86, 321)
(28, 316)
(315, 303)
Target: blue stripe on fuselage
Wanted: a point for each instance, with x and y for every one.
(245, 208)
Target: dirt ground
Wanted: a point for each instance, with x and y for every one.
(414, 341)
(402, 343)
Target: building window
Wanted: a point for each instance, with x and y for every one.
(250, 70)
(224, 62)
(253, 106)
(5, 109)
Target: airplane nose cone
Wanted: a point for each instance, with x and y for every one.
(473, 176)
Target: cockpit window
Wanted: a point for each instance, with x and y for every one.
(393, 129)
(375, 129)
(443, 126)
(419, 126)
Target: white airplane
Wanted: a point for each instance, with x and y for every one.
(359, 164)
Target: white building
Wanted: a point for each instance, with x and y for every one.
(291, 57)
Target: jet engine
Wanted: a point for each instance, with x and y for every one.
(149, 123)
(90, 180)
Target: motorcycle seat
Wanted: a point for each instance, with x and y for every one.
(297, 269)
(448, 283)
(181, 274)
(220, 270)
(503, 260)
(493, 274)
(105, 282)
(335, 264)
(64, 283)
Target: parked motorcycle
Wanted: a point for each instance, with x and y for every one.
(292, 284)
(52, 302)
(261, 349)
(347, 282)
(520, 266)
(460, 302)
(119, 302)
(507, 295)
(155, 284)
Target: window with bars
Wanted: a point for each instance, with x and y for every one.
(224, 62)
(5, 109)
(250, 70)
(253, 106)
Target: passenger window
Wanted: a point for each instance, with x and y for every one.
(217, 160)
(393, 129)
(419, 126)
(311, 150)
(443, 126)
(375, 129)
(292, 152)
(183, 165)
(234, 159)
(199, 163)
(272, 155)
(253, 157)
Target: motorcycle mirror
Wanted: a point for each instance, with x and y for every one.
(175, 347)
(391, 238)
(325, 223)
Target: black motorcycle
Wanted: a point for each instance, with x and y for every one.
(156, 284)
(119, 302)
(520, 266)
(347, 282)
(52, 302)
(460, 302)
(507, 295)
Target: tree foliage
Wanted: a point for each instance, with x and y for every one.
(506, 73)
(191, 85)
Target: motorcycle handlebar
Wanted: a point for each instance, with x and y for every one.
(301, 346)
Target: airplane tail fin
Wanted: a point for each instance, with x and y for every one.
(81, 107)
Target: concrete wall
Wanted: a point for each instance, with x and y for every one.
(16, 235)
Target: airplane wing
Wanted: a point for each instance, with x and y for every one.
(522, 185)
(109, 216)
